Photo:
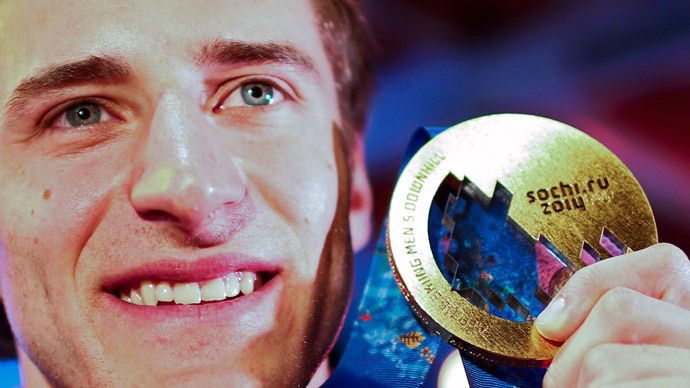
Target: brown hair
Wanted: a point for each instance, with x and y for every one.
(347, 42)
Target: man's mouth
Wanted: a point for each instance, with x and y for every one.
(161, 292)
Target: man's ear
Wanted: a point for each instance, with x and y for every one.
(361, 201)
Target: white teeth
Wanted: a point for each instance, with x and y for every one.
(125, 297)
(187, 293)
(232, 285)
(247, 282)
(148, 291)
(136, 298)
(213, 290)
(164, 292)
(150, 294)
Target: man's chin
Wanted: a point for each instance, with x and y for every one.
(157, 373)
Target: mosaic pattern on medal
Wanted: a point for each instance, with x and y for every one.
(490, 260)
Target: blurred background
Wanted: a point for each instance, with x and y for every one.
(618, 70)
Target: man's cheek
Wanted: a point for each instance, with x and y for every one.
(3, 265)
(23, 280)
(72, 209)
(18, 246)
(316, 205)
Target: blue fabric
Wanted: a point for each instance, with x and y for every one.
(387, 346)
(482, 374)
(9, 373)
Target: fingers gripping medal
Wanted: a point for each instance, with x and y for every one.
(491, 217)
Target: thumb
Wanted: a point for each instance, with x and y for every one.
(661, 271)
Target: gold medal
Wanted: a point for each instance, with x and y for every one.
(565, 199)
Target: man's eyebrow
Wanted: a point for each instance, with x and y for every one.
(100, 69)
(225, 51)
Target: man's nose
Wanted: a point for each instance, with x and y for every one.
(184, 177)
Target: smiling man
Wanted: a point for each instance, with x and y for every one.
(175, 191)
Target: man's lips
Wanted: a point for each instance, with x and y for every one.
(171, 281)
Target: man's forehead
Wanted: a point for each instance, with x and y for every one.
(37, 34)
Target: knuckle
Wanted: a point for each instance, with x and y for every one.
(595, 361)
(616, 298)
(671, 254)
(584, 279)
(616, 305)
(674, 269)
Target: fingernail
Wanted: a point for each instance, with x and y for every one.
(552, 315)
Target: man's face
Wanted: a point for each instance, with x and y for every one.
(147, 143)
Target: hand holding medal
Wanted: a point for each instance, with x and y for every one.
(491, 218)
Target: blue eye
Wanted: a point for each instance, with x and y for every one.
(257, 94)
(252, 94)
(83, 114)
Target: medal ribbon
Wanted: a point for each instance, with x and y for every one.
(387, 346)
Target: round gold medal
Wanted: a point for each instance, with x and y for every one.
(492, 216)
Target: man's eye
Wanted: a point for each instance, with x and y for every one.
(253, 94)
(78, 115)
